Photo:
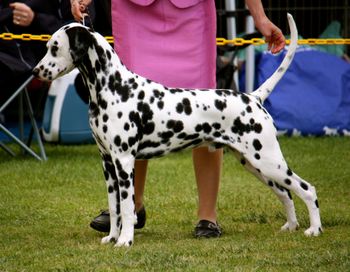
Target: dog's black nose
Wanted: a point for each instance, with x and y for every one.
(35, 72)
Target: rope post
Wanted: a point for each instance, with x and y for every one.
(250, 58)
(230, 5)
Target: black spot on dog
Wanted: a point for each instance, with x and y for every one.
(257, 128)
(94, 110)
(176, 90)
(123, 174)
(287, 181)
(148, 128)
(125, 146)
(176, 126)
(304, 186)
(126, 126)
(245, 98)
(160, 105)
(217, 126)
(206, 128)
(184, 106)
(179, 108)
(148, 144)
(102, 103)
(124, 194)
(165, 136)
(141, 95)
(117, 140)
(316, 203)
(240, 128)
(257, 145)
(132, 141)
(220, 105)
(198, 128)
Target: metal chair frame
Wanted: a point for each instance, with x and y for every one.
(22, 94)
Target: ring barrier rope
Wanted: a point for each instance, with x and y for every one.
(219, 41)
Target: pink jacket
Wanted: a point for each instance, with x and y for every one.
(179, 51)
(177, 3)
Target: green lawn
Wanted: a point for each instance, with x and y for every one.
(45, 210)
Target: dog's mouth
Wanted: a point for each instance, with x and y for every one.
(45, 74)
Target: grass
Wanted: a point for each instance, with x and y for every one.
(45, 209)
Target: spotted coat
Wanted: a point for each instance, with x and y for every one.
(135, 118)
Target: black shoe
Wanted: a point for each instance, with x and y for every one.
(102, 223)
(207, 229)
(141, 218)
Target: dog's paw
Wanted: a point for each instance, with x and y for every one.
(124, 242)
(313, 231)
(108, 239)
(290, 226)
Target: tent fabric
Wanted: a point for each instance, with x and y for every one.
(312, 98)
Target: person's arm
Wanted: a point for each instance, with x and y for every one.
(273, 35)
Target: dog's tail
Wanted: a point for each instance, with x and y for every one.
(266, 88)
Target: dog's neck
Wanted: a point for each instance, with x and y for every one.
(101, 76)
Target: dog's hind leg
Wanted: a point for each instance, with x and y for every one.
(281, 192)
(308, 193)
(272, 165)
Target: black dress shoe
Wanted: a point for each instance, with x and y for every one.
(141, 218)
(207, 229)
(102, 223)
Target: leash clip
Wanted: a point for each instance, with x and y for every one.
(87, 22)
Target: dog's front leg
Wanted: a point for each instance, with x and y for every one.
(124, 164)
(113, 199)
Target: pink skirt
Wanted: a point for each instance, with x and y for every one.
(171, 45)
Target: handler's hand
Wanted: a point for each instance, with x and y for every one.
(273, 35)
(78, 7)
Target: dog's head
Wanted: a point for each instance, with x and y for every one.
(65, 51)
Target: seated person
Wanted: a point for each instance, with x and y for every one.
(18, 57)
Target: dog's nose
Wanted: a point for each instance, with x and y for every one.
(35, 72)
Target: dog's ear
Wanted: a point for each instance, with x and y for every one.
(80, 39)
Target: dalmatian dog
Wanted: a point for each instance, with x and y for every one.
(136, 118)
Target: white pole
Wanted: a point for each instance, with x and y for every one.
(250, 58)
(230, 5)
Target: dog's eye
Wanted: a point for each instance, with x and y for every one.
(54, 50)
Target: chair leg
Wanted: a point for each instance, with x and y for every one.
(21, 119)
(18, 141)
(23, 91)
(7, 149)
(34, 125)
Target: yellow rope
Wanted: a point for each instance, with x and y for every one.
(219, 41)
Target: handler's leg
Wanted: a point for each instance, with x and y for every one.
(207, 166)
(140, 181)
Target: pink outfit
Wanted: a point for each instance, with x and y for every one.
(168, 41)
